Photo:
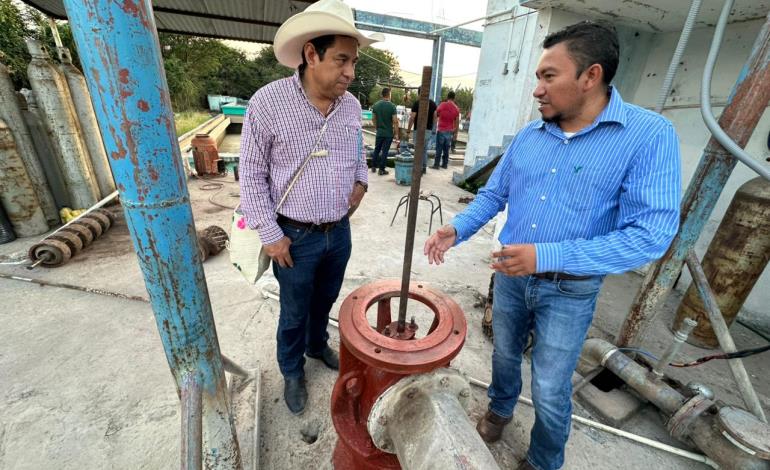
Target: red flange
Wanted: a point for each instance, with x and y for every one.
(374, 358)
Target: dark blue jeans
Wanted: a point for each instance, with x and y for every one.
(559, 313)
(380, 155)
(308, 291)
(443, 141)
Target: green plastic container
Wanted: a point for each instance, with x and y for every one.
(233, 110)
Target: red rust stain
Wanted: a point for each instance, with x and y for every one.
(153, 174)
(143, 105)
(123, 76)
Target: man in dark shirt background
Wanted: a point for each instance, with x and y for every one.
(430, 135)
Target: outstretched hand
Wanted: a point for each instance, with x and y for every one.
(439, 243)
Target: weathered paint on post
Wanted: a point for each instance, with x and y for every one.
(747, 102)
(437, 64)
(121, 58)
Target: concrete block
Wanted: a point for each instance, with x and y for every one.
(614, 408)
(494, 151)
(507, 139)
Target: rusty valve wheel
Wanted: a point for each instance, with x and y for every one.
(91, 224)
(82, 232)
(72, 241)
(103, 220)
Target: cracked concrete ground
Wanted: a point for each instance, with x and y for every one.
(85, 384)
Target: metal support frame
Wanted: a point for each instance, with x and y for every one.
(119, 50)
(415, 28)
(437, 64)
(745, 106)
(433, 209)
(723, 335)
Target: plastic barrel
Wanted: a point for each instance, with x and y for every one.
(404, 166)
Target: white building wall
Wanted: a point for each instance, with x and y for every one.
(503, 103)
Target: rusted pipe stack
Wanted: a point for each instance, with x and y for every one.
(56, 249)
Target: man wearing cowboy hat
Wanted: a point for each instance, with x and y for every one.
(310, 117)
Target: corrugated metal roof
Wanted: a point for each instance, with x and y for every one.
(245, 20)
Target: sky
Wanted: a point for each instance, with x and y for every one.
(460, 62)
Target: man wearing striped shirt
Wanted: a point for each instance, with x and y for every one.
(593, 187)
(309, 115)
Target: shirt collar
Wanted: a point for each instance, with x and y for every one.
(298, 83)
(613, 112)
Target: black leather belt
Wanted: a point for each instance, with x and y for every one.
(551, 276)
(322, 227)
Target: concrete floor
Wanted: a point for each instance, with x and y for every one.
(85, 384)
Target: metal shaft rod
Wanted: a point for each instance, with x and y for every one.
(723, 335)
(233, 368)
(680, 336)
(192, 424)
(414, 195)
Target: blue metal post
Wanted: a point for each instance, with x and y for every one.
(747, 102)
(437, 64)
(120, 53)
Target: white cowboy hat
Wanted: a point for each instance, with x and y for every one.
(319, 19)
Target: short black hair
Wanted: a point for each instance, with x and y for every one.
(450, 95)
(321, 44)
(385, 92)
(588, 43)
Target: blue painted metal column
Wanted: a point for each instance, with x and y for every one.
(747, 102)
(437, 64)
(119, 50)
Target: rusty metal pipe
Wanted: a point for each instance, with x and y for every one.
(414, 197)
(723, 335)
(661, 395)
(192, 424)
(120, 53)
(745, 106)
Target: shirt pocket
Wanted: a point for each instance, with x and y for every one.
(579, 187)
(346, 144)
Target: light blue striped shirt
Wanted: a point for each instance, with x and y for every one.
(605, 200)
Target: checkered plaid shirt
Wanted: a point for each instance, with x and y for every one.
(279, 130)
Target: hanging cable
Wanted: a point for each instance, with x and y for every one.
(735, 355)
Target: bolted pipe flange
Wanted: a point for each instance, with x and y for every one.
(679, 423)
(395, 398)
(443, 342)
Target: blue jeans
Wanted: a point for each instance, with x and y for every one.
(380, 155)
(308, 291)
(443, 141)
(430, 142)
(559, 313)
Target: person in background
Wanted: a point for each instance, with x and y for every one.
(592, 187)
(448, 116)
(430, 135)
(385, 120)
(310, 114)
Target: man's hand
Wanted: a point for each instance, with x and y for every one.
(517, 260)
(279, 252)
(355, 198)
(439, 243)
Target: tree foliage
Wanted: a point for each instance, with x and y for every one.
(196, 67)
(14, 30)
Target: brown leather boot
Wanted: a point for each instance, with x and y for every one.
(491, 426)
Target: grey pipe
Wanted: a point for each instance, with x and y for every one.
(680, 336)
(606, 354)
(705, 98)
(422, 420)
(678, 52)
(723, 335)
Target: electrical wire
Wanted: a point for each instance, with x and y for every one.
(219, 186)
(640, 351)
(734, 355)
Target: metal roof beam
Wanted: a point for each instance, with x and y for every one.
(414, 28)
